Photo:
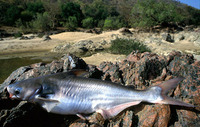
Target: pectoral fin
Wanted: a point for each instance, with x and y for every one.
(48, 104)
(109, 113)
(47, 99)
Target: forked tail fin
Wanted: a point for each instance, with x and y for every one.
(168, 85)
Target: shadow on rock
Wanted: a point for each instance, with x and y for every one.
(139, 71)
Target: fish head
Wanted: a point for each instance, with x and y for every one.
(24, 90)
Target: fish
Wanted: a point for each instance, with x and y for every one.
(71, 93)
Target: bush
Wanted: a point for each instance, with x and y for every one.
(113, 23)
(18, 34)
(42, 22)
(35, 7)
(98, 10)
(71, 9)
(126, 46)
(26, 16)
(88, 22)
(12, 14)
(71, 23)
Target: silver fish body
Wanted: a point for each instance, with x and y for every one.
(82, 95)
(69, 94)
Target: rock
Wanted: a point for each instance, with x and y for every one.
(179, 37)
(138, 70)
(193, 36)
(80, 48)
(32, 37)
(197, 41)
(167, 37)
(125, 31)
(46, 38)
(158, 41)
(94, 31)
(24, 38)
(1, 39)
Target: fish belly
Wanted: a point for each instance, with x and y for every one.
(72, 106)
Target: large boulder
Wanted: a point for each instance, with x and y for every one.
(138, 70)
(80, 48)
(167, 37)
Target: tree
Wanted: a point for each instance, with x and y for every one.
(113, 23)
(53, 10)
(41, 23)
(71, 9)
(12, 14)
(191, 15)
(88, 22)
(72, 23)
(97, 10)
(148, 13)
(35, 7)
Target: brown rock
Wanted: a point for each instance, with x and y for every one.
(139, 70)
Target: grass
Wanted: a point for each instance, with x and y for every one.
(126, 46)
(7, 66)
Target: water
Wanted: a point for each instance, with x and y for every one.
(7, 66)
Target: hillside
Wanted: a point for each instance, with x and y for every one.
(40, 15)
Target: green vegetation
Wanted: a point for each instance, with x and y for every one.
(113, 23)
(126, 46)
(88, 22)
(72, 23)
(149, 13)
(43, 15)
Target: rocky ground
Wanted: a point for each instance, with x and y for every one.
(138, 70)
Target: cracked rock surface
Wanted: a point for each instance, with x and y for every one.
(137, 71)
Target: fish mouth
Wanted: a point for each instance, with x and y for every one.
(12, 96)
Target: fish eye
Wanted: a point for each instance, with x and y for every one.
(17, 91)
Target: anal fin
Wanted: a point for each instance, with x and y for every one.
(112, 112)
(83, 117)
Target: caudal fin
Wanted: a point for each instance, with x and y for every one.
(168, 85)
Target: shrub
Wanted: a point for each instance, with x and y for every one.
(97, 10)
(101, 23)
(12, 14)
(42, 22)
(71, 23)
(24, 27)
(126, 46)
(18, 34)
(113, 23)
(35, 7)
(71, 9)
(88, 22)
(26, 16)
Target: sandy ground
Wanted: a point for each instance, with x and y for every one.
(11, 47)
(98, 58)
(14, 47)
